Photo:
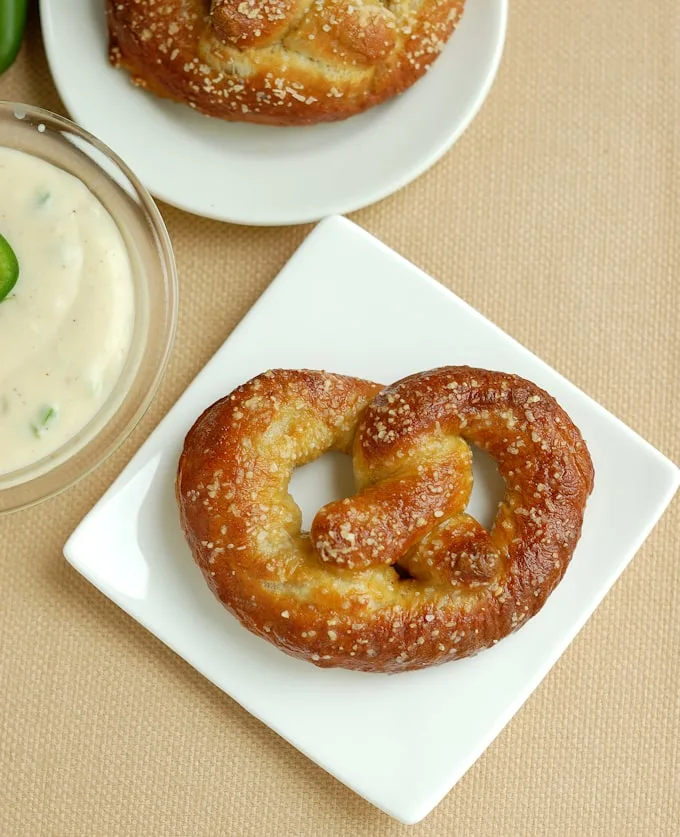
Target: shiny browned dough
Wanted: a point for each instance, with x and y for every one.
(280, 62)
(333, 596)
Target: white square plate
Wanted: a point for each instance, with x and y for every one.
(348, 304)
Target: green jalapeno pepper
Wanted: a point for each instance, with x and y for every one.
(9, 268)
(12, 24)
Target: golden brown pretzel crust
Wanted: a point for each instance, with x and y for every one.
(281, 62)
(334, 597)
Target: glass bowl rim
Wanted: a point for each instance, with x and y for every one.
(47, 484)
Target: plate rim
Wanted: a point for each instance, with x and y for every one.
(427, 161)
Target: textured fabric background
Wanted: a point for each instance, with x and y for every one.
(557, 216)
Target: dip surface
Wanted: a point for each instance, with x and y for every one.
(66, 326)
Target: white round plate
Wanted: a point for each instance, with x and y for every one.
(252, 174)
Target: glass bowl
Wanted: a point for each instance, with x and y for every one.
(67, 146)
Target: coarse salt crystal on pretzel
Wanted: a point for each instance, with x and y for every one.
(397, 577)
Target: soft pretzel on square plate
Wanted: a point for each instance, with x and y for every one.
(398, 576)
(282, 62)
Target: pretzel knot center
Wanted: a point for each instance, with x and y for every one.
(409, 510)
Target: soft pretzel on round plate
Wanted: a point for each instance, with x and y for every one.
(398, 576)
(282, 62)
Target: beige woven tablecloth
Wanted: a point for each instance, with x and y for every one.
(557, 215)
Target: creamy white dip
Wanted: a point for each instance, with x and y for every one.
(66, 326)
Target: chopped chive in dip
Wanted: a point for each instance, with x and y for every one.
(9, 268)
(44, 198)
(46, 418)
